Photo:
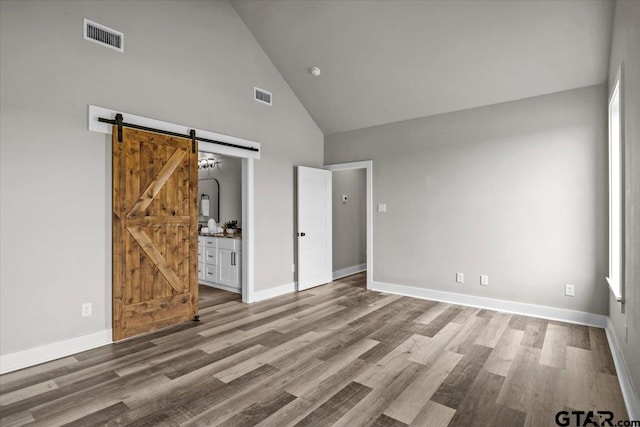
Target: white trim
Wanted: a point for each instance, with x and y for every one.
(615, 279)
(94, 125)
(631, 398)
(264, 294)
(248, 241)
(34, 356)
(368, 165)
(541, 311)
(615, 289)
(344, 272)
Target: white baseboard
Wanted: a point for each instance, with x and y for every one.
(34, 356)
(264, 294)
(338, 274)
(544, 312)
(631, 398)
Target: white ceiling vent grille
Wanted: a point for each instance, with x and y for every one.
(262, 95)
(104, 36)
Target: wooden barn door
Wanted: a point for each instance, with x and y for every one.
(155, 246)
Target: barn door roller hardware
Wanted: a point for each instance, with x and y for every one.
(192, 133)
(118, 121)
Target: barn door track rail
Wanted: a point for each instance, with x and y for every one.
(120, 123)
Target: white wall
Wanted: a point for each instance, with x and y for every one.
(349, 218)
(516, 191)
(624, 49)
(187, 62)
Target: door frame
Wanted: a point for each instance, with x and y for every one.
(368, 166)
(248, 188)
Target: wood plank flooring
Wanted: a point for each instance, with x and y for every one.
(334, 355)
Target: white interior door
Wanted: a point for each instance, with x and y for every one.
(314, 227)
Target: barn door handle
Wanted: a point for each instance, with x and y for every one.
(301, 234)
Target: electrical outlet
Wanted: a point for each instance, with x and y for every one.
(484, 280)
(460, 277)
(86, 309)
(382, 207)
(569, 290)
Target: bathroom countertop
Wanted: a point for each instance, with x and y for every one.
(221, 235)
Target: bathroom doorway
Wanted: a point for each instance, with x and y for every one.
(219, 222)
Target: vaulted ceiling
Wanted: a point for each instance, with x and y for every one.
(386, 61)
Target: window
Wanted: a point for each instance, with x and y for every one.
(615, 190)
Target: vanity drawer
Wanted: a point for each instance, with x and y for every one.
(230, 244)
(200, 253)
(210, 242)
(210, 273)
(200, 240)
(211, 256)
(200, 271)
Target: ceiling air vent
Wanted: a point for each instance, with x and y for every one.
(104, 36)
(261, 95)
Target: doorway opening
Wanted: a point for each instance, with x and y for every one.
(352, 193)
(219, 223)
(237, 254)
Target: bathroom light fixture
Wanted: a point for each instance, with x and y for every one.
(315, 71)
(207, 163)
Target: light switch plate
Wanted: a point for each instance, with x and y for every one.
(484, 280)
(460, 277)
(382, 207)
(569, 290)
(86, 309)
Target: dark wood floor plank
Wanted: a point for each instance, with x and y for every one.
(57, 393)
(601, 354)
(500, 360)
(409, 403)
(544, 402)
(491, 333)
(386, 421)
(259, 411)
(579, 336)
(335, 354)
(337, 405)
(534, 333)
(100, 417)
(455, 387)
(298, 409)
(433, 415)
(442, 320)
(374, 403)
(479, 401)
(520, 381)
(518, 322)
(554, 348)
